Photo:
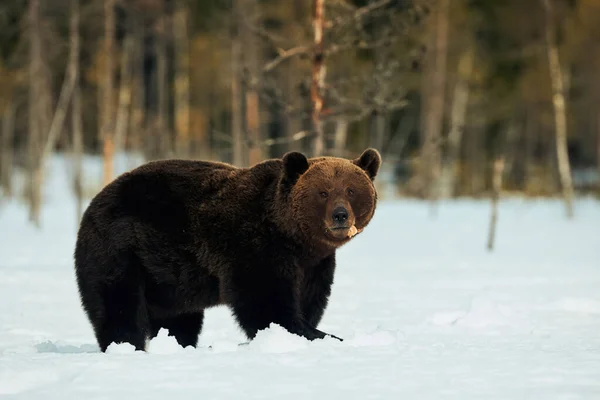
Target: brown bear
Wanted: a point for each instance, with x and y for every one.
(167, 240)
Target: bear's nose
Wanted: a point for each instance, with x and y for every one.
(340, 214)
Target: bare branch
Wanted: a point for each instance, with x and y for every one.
(266, 143)
(258, 30)
(284, 55)
(358, 13)
(362, 45)
(371, 7)
(281, 140)
(355, 111)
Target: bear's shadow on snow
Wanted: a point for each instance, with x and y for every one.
(65, 348)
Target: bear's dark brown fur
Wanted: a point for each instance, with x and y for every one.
(171, 238)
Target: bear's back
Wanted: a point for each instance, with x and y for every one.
(170, 196)
(162, 187)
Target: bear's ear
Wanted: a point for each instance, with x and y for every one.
(294, 165)
(369, 161)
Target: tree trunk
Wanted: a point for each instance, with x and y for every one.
(560, 113)
(60, 113)
(161, 72)
(124, 105)
(457, 125)
(318, 78)
(529, 159)
(294, 121)
(496, 188)
(402, 133)
(35, 110)
(108, 146)
(341, 135)
(476, 158)
(436, 100)
(237, 132)
(48, 142)
(76, 112)
(7, 146)
(598, 146)
(182, 80)
(251, 63)
(253, 126)
(138, 117)
(380, 132)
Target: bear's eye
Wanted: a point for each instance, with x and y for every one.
(324, 195)
(350, 192)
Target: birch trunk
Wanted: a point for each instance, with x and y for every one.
(182, 80)
(60, 114)
(161, 72)
(531, 134)
(76, 113)
(108, 146)
(496, 189)
(560, 113)
(435, 118)
(598, 144)
(251, 57)
(35, 110)
(48, 142)
(236, 91)
(318, 78)
(124, 104)
(341, 135)
(476, 158)
(380, 132)
(138, 116)
(253, 126)
(8, 132)
(457, 125)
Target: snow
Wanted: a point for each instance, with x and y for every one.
(426, 313)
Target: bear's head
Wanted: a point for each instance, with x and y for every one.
(329, 199)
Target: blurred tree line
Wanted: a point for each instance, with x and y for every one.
(443, 88)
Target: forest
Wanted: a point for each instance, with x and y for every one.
(461, 97)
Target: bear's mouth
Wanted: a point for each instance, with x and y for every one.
(338, 233)
(339, 228)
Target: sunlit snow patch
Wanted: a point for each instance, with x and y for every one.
(481, 314)
(378, 338)
(121, 348)
(16, 381)
(276, 339)
(579, 305)
(164, 344)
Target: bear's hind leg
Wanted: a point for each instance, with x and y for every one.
(125, 316)
(185, 327)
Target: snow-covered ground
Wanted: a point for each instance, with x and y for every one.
(426, 313)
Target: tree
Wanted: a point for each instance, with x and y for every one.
(458, 116)
(560, 113)
(38, 117)
(318, 78)
(435, 99)
(6, 156)
(182, 79)
(162, 85)
(251, 60)
(124, 97)
(76, 111)
(108, 113)
(237, 127)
